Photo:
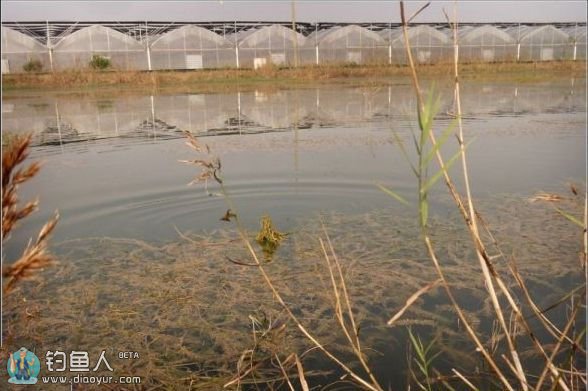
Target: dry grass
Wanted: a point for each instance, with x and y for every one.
(35, 256)
(223, 79)
(508, 368)
(187, 310)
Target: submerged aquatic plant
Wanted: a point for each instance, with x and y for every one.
(268, 237)
(507, 307)
(35, 256)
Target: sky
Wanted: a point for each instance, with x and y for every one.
(306, 11)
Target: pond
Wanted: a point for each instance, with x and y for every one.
(146, 263)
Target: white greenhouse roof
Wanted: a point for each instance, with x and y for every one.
(419, 34)
(97, 38)
(257, 37)
(480, 33)
(189, 36)
(340, 32)
(16, 42)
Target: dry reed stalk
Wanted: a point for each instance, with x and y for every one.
(35, 256)
(303, 382)
(481, 251)
(463, 379)
(469, 216)
(284, 373)
(547, 324)
(211, 168)
(353, 341)
(547, 367)
(412, 299)
(454, 194)
(484, 261)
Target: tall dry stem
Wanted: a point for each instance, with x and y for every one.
(211, 168)
(490, 275)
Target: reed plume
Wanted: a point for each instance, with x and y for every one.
(35, 256)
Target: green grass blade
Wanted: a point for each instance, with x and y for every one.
(446, 167)
(416, 142)
(430, 110)
(424, 212)
(393, 194)
(400, 144)
(440, 141)
(438, 174)
(571, 218)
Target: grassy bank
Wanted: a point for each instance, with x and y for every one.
(228, 79)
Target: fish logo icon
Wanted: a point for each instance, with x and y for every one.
(23, 367)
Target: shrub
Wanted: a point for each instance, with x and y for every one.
(99, 62)
(33, 65)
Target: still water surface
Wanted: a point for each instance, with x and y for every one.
(110, 165)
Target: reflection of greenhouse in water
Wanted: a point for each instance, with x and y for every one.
(195, 113)
(171, 45)
(282, 109)
(535, 99)
(487, 99)
(60, 120)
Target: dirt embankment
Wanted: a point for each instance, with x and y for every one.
(221, 79)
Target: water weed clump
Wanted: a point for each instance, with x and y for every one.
(210, 327)
(268, 237)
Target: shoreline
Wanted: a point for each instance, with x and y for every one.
(231, 79)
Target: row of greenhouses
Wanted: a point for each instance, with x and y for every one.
(196, 47)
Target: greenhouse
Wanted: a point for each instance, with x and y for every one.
(428, 46)
(78, 49)
(160, 45)
(486, 44)
(543, 43)
(20, 51)
(273, 44)
(191, 47)
(348, 44)
(577, 41)
(388, 34)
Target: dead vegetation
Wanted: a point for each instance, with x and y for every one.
(232, 79)
(35, 256)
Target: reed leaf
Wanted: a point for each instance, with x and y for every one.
(393, 194)
(442, 140)
(570, 218)
(431, 181)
